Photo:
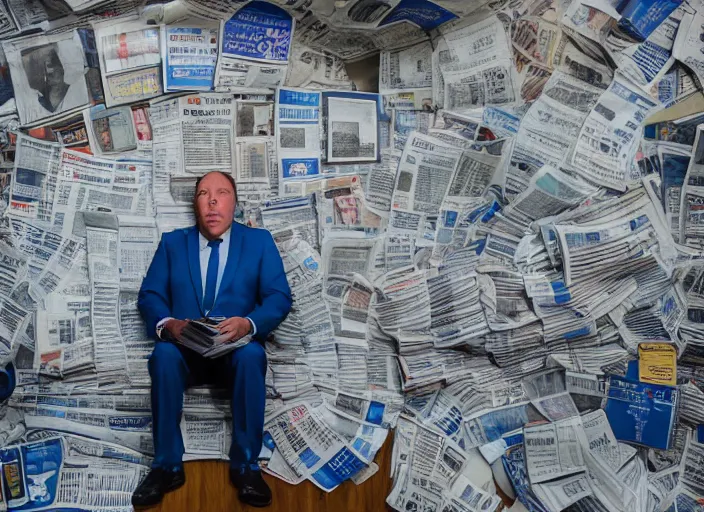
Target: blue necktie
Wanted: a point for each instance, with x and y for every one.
(211, 277)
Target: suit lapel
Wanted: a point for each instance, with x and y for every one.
(233, 258)
(194, 266)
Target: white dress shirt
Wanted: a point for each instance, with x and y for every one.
(224, 248)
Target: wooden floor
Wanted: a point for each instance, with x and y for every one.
(208, 489)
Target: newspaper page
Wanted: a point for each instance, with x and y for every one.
(342, 256)
(616, 117)
(102, 232)
(130, 60)
(189, 55)
(548, 393)
(424, 177)
(200, 9)
(255, 118)
(298, 133)
(65, 325)
(110, 130)
(691, 476)
(316, 69)
(207, 127)
(352, 123)
(465, 495)
(90, 184)
(410, 68)
(464, 321)
(647, 62)
(688, 43)
(537, 40)
(404, 121)
(54, 473)
(166, 148)
(424, 466)
(256, 163)
(476, 68)
(674, 162)
(136, 245)
(255, 48)
(143, 127)
(691, 195)
(310, 447)
(548, 131)
(549, 191)
(48, 75)
(554, 450)
(33, 179)
(578, 65)
(536, 43)
(645, 221)
(253, 157)
(601, 438)
(7, 23)
(14, 268)
(341, 207)
(379, 186)
(41, 94)
(193, 135)
(560, 494)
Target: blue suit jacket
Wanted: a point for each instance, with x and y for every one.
(254, 283)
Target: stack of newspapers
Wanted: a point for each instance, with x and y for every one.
(203, 336)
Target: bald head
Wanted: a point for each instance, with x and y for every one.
(214, 203)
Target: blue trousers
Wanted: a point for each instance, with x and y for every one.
(174, 368)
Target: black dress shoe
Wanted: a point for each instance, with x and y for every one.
(158, 482)
(252, 488)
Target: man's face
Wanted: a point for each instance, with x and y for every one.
(53, 69)
(215, 205)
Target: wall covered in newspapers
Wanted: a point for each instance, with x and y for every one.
(496, 259)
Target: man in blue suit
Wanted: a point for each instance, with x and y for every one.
(215, 268)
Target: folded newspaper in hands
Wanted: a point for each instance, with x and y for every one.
(203, 336)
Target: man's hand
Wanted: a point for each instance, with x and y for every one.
(234, 328)
(175, 327)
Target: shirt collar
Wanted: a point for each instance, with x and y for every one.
(203, 242)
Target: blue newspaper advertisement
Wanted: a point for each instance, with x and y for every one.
(69, 473)
(641, 413)
(639, 18)
(344, 465)
(495, 423)
(423, 13)
(30, 474)
(260, 31)
(190, 56)
(298, 133)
